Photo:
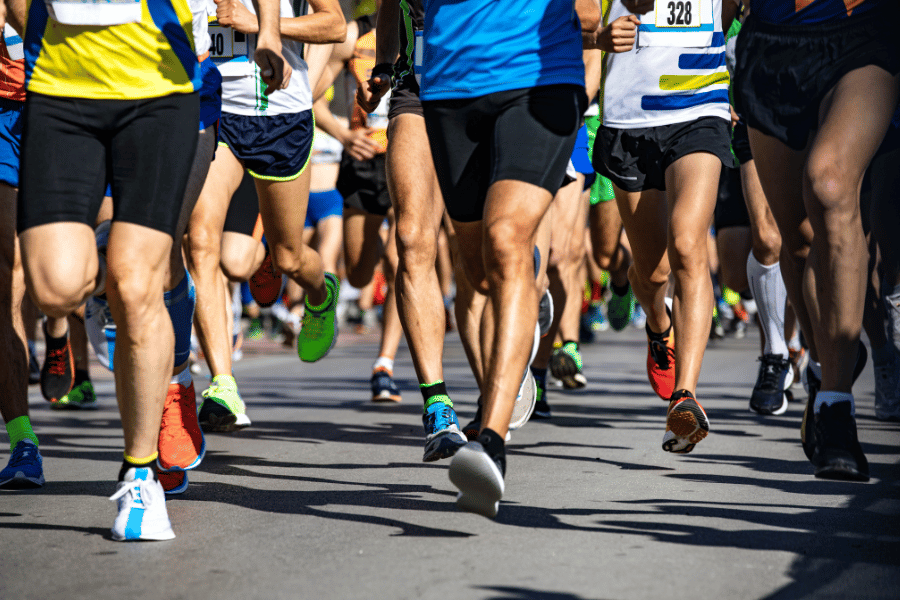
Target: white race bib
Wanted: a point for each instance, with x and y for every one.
(221, 42)
(94, 12)
(418, 53)
(678, 23)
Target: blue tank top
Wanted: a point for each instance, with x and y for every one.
(810, 12)
(474, 48)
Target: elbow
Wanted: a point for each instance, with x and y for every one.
(337, 30)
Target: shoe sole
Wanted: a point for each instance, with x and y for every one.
(73, 406)
(841, 470)
(479, 481)
(161, 536)
(386, 397)
(224, 424)
(685, 422)
(778, 411)
(525, 401)
(21, 482)
(563, 367)
(443, 446)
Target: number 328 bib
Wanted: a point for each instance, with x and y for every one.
(679, 23)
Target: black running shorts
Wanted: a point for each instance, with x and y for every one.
(523, 135)
(783, 72)
(731, 210)
(405, 98)
(363, 184)
(274, 148)
(71, 148)
(740, 143)
(243, 210)
(637, 159)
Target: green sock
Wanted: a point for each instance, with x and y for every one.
(20, 429)
(329, 294)
(435, 392)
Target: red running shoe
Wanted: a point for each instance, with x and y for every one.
(266, 285)
(181, 443)
(661, 363)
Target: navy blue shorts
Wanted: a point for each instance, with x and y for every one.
(275, 148)
(322, 205)
(10, 140)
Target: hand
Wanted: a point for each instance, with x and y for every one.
(639, 7)
(273, 69)
(735, 119)
(231, 13)
(619, 36)
(370, 97)
(360, 146)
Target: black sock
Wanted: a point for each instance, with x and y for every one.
(540, 376)
(55, 343)
(495, 447)
(127, 465)
(619, 291)
(81, 375)
(435, 389)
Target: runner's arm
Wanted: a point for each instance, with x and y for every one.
(15, 14)
(325, 25)
(618, 36)
(387, 48)
(356, 143)
(274, 70)
(588, 13)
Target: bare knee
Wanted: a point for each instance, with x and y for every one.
(416, 245)
(688, 252)
(834, 192)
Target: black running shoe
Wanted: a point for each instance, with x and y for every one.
(808, 426)
(58, 372)
(770, 395)
(837, 453)
(34, 368)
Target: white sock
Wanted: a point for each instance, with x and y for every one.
(385, 363)
(794, 343)
(832, 398)
(770, 294)
(184, 378)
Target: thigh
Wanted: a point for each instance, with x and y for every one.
(644, 218)
(209, 215)
(362, 238)
(692, 182)
(241, 255)
(282, 205)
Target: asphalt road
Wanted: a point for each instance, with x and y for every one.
(325, 496)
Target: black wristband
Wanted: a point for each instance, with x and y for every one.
(385, 70)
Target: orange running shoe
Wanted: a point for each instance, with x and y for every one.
(661, 362)
(173, 482)
(181, 442)
(686, 423)
(266, 284)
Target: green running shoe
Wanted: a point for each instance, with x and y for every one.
(222, 408)
(620, 310)
(318, 332)
(79, 397)
(566, 365)
(255, 332)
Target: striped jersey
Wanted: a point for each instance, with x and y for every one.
(150, 55)
(810, 12)
(243, 90)
(659, 82)
(12, 66)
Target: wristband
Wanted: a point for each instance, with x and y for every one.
(385, 70)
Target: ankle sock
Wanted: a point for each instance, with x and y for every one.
(184, 378)
(619, 291)
(180, 304)
(385, 363)
(495, 447)
(435, 392)
(20, 429)
(540, 376)
(329, 296)
(55, 343)
(131, 462)
(832, 398)
(81, 375)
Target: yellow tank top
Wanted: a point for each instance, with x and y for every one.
(132, 61)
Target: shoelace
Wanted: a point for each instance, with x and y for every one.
(171, 418)
(313, 324)
(21, 455)
(661, 351)
(771, 374)
(58, 361)
(138, 491)
(265, 274)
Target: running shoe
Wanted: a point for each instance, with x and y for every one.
(100, 329)
(472, 430)
(173, 482)
(686, 423)
(639, 320)
(479, 479)
(319, 331)
(255, 332)
(222, 408)
(799, 359)
(58, 372)
(443, 436)
(525, 401)
(661, 363)
(620, 309)
(383, 387)
(266, 286)
(813, 384)
(541, 406)
(566, 365)
(81, 396)
(25, 469)
(770, 394)
(545, 313)
(181, 443)
(837, 453)
(34, 368)
(596, 317)
(141, 501)
(887, 390)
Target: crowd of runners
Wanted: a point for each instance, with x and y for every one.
(526, 171)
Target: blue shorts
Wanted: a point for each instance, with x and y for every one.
(322, 205)
(275, 148)
(580, 158)
(10, 140)
(210, 93)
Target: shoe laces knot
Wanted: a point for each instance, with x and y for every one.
(57, 361)
(138, 490)
(662, 353)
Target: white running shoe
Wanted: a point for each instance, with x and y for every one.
(525, 401)
(142, 508)
(479, 480)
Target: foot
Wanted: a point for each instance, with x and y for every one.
(81, 397)
(266, 286)
(383, 387)
(58, 372)
(686, 423)
(223, 410)
(541, 406)
(545, 313)
(479, 479)
(443, 436)
(473, 428)
(620, 309)
(770, 395)
(566, 365)
(142, 508)
(181, 443)
(319, 331)
(25, 469)
(661, 363)
(837, 453)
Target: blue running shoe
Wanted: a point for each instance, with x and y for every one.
(383, 387)
(142, 508)
(444, 437)
(25, 469)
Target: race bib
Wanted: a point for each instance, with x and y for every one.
(418, 53)
(678, 23)
(221, 42)
(94, 12)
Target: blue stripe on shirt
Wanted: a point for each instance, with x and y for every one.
(682, 101)
(701, 61)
